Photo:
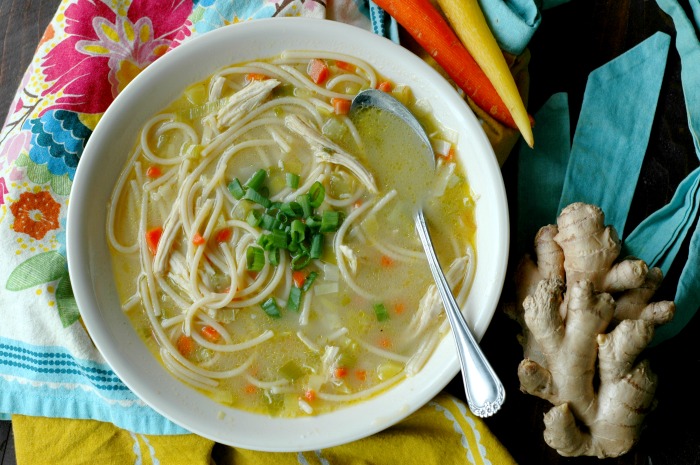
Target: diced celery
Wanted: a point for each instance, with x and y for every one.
(196, 94)
(291, 370)
(388, 370)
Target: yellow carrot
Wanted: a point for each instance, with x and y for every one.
(469, 23)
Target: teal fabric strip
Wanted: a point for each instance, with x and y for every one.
(541, 170)
(613, 130)
(658, 239)
(687, 298)
(513, 22)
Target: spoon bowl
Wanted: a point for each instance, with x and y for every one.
(483, 389)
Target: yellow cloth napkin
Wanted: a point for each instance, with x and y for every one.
(442, 432)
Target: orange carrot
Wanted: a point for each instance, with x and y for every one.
(361, 375)
(250, 389)
(385, 86)
(318, 70)
(224, 235)
(344, 65)
(210, 334)
(153, 172)
(341, 106)
(299, 278)
(387, 261)
(399, 308)
(255, 77)
(433, 33)
(153, 236)
(185, 345)
(384, 342)
(340, 372)
(310, 395)
(198, 239)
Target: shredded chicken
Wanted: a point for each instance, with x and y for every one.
(328, 151)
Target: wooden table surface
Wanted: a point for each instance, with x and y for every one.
(573, 39)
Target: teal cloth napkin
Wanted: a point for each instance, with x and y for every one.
(613, 130)
(541, 171)
(513, 22)
(607, 152)
(658, 239)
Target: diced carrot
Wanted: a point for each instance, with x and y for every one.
(299, 278)
(385, 86)
(317, 70)
(224, 235)
(153, 172)
(450, 155)
(422, 20)
(210, 333)
(341, 106)
(198, 239)
(384, 342)
(185, 345)
(153, 236)
(357, 203)
(255, 77)
(361, 375)
(387, 261)
(340, 372)
(250, 388)
(399, 308)
(310, 395)
(344, 65)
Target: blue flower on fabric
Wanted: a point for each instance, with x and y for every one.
(213, 14)
(58, 140)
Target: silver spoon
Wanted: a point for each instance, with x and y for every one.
(484, 391)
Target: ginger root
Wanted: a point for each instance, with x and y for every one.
(582, 310)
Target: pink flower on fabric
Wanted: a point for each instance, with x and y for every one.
(105, 50)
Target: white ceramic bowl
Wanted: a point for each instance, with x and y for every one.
(89, 258)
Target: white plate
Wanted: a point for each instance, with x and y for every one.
(89, 258)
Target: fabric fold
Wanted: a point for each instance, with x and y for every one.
(541, 170)
(613, 130)
(659, 238)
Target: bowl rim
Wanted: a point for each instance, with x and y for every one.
(91, 283)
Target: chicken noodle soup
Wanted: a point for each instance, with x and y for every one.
(263, 241)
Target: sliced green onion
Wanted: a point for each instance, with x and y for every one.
(267, 222)
(292, 209)
(253, 218)
(236, 190)
(279, 239)
(292, 180)
(300, 260)
(309, 281)
(330, 221)
(313, 222)
(274, 257)
(316, 246)
(257, 197)
(381, 313)
(256, 180)
(317, 193)
(297, 231)
(304, 202)
(294, 300)
(271, 308)
(255, 258)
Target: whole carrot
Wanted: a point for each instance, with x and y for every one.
(469, 24)
(432, 32)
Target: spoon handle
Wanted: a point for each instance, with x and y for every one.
(484, 390)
